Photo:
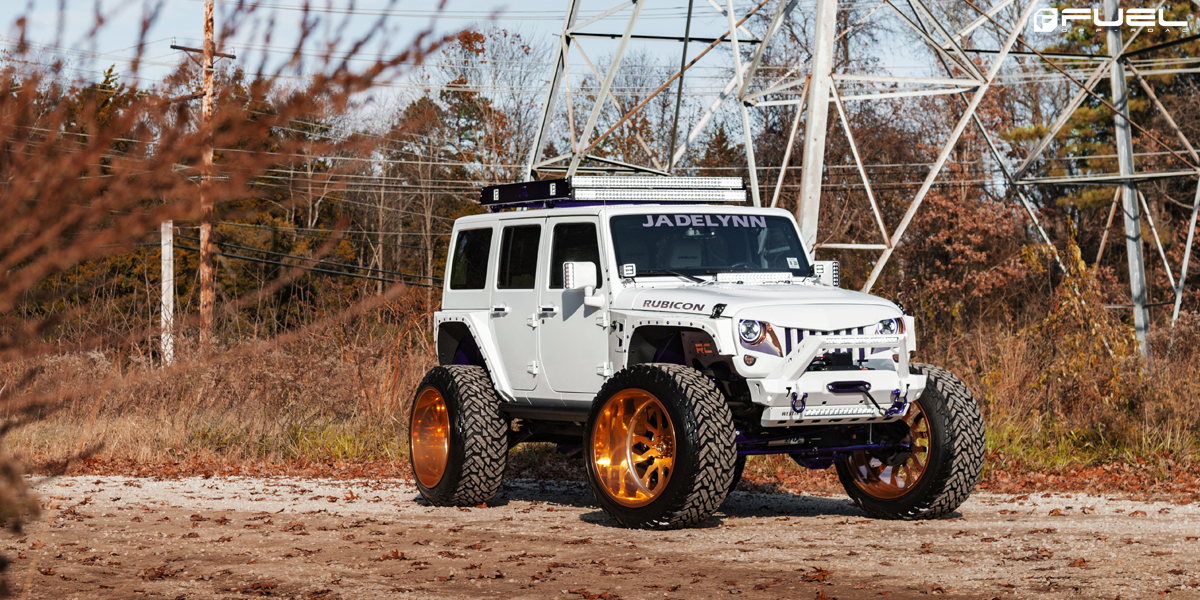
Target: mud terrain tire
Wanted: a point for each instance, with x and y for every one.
(701, 441)
(475, 442)
(955, 457)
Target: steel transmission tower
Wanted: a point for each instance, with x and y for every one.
(970, 69)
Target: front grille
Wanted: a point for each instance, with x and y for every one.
(792, 338)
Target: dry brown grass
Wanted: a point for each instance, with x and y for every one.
(329, 394)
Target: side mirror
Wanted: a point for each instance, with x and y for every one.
(582, 276)
(828, 272)
(579, 275)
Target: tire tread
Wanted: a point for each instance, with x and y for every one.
(476, 423)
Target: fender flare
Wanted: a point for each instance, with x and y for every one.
(476, 322)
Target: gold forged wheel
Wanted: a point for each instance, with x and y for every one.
(886, 482)
(430, 431)
(633, 448)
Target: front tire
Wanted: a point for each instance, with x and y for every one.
(457, 437)
(660, 447)
(947, 437)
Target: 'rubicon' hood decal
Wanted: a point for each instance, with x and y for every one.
(672, 305)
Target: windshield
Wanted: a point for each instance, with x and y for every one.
(706, 244)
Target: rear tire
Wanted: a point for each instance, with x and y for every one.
(660, 448)
(947, 433)
(458, 439)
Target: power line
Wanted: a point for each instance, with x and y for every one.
(315, 260)
(306, 268)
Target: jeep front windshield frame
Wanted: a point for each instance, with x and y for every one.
(708, 243)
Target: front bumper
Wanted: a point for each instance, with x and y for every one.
(792, 395)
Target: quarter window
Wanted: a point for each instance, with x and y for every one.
(573, 242)
(468, 271)
(518, 257)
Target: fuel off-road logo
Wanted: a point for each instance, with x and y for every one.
(1049, 19)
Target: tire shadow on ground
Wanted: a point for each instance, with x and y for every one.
(738, 504)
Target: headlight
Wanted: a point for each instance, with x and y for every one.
(752, 332)
(759, 337)
(890, 327)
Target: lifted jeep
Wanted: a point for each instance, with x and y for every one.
(667, 337)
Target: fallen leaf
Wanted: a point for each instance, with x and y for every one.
(818, 575)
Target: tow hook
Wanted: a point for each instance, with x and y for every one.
(899, 402)
(801, 400)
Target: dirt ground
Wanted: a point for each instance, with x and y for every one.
(238, 537)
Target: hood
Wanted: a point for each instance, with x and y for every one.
(803, 306)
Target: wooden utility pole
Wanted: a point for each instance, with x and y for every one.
(207, 292)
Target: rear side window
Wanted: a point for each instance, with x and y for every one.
(573, 242)
(518, 257)
(468, 271)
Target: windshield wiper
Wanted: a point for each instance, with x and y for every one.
(667, 272)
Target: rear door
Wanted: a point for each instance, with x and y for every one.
(573, 340)
(515, 315)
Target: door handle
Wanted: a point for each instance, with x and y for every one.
(500, 310)
(548, 309)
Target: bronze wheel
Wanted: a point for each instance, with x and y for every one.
(660, 449)
(943, 430)
(633, 447)
(457, 437)
(880, 480)
(430, 429)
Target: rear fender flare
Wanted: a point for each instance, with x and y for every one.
(450, 331)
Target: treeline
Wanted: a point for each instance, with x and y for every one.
(325, 199)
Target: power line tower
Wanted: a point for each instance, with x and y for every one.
(971, 65)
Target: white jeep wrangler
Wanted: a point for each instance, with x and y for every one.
(667, 337)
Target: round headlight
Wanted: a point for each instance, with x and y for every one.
(752, 332)
(889, 327)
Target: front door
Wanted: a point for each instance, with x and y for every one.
(514, 307)
(573, 338)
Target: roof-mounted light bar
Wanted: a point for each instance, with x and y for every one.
(590, 190)
(655, 182)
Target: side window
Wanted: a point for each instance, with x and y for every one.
(573, 242)
(518, 257)
(468, 271)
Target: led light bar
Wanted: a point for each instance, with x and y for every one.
(754, 278)
(841, 411)
(694, 196)
(585, 190)
(655, 182)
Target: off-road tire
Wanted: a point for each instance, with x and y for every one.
(478, 444)
(705, 453)
(739, 467)
(955, 458)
